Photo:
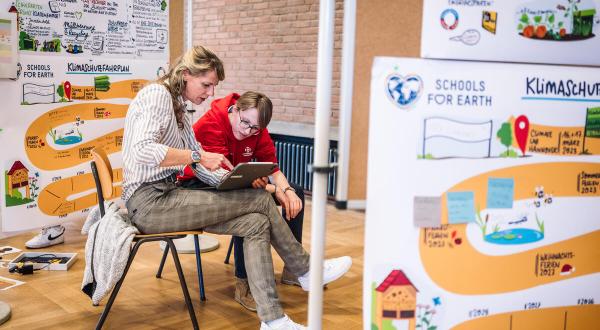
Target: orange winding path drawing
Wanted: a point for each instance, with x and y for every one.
(555, 318)
(120, 89)
(54, 199)
(47, 158)
(462, 269)
(557, 140)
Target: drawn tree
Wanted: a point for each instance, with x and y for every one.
(505, 136)
(61, 91)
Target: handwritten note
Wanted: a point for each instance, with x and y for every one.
(461, 207)
(500, 193)
(427, 212)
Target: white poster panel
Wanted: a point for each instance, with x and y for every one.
(499, 166)
(63, 109)
(532, 31)
(80, 64)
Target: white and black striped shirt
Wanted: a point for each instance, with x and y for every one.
(150, 129)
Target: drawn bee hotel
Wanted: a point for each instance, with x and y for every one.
(396, 299)
(18, 177)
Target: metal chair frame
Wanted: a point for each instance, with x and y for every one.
(229, 250)
(141, 239)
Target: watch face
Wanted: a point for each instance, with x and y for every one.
(195, 156)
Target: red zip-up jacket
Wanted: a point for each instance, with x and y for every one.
(213, 131)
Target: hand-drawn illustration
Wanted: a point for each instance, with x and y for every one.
(470, 37)
(404, 91)
(452, 138)
(558, 21)
(395, 305)
(20, 186)
(117, 29)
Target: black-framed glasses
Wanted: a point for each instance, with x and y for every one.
(246, 125)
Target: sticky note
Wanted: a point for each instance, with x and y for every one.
(500, 193)
(427, 211)
(461, 207)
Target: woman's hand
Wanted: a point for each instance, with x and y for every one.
(213, 161)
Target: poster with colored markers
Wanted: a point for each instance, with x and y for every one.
(80, 63)
(130, 28)
(483, 196)
(531, 31)
(65, 108)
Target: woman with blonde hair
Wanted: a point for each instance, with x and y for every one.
(158, 142)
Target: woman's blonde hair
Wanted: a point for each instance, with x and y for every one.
(197, 61)
(259, 101)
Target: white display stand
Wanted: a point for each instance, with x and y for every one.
(483, 196)
(4, 312)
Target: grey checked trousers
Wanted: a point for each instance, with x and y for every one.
(249, 213)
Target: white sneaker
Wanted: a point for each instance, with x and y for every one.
(47, 237)
(285, 324)
(332, 270)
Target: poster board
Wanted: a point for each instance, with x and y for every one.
(532, 31)
(80, 65)
(483, 195)
(375, 36)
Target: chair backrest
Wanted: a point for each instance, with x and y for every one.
(105, 172)
(103, 177)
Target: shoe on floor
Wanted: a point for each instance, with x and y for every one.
(243, 294)
(288, 278)
(47, 237)
(284, 323)
(332, 270)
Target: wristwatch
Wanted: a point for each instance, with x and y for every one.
(196, 156)
(288, 188)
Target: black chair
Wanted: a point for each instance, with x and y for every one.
(103, 177)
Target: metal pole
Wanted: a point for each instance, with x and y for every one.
(347, 84)
(322, 115)
(188, 24)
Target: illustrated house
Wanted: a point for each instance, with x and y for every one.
(18, 177)
(396, 299)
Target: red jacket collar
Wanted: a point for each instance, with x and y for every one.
(225, 102)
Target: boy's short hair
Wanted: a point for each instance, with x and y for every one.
(259, 101)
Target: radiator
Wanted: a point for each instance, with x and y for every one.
(294, 154)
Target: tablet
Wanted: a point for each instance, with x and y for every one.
(244, 174)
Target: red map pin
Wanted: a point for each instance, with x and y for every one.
(522, 132)
(67, 86)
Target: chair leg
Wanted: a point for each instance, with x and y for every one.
(186, 294)
(115, 291)
(199, 266)
(229, 250)
(162, 261)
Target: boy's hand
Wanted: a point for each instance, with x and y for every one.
(260, 183)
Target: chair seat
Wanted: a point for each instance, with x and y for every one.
(176, 233)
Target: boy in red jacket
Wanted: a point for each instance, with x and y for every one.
(236, 126)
